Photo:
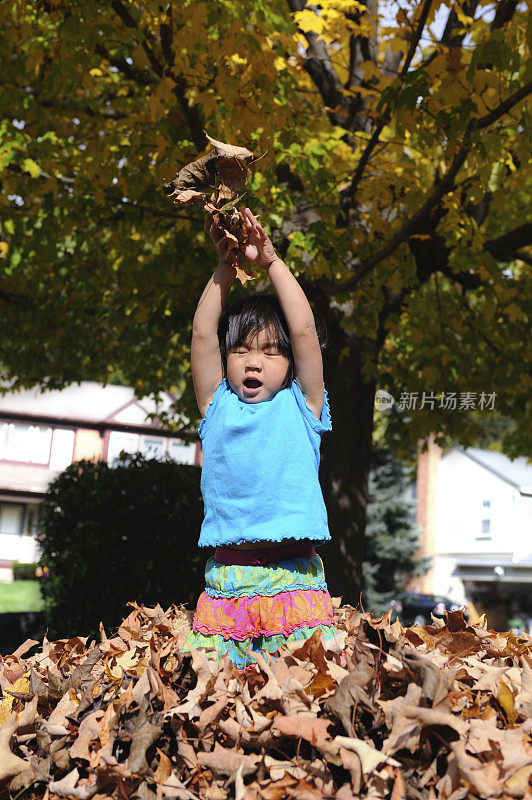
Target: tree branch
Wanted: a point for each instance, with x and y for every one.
(73, 105)
(505, 247)
(318, 64)
(17, 299)
(385, 117)
(361, 48)
(446, 184)
(129, 22)
(505, 11)
(140, 76)
(502, 108)
(453, 23)
(190, 113)
(167, 36)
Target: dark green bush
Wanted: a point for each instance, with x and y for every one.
(24, 571)
(113, 535)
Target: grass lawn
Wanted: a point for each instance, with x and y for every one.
(20, 596)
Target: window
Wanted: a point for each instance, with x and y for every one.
(31, 527)
(182, 453)
(28, 443)
(11, 518)
(62, 448)
(118, 442)
(485, 525)
(153, 448)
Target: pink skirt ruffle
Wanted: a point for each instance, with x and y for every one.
(261, 615)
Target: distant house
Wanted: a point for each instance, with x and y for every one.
(41, 433)
(475, 510)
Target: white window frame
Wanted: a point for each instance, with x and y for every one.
(160, 440)
(21, 522)
(113, 456)
(32, 432)
(179, 444)
(486, 517)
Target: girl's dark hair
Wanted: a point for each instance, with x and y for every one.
(250, 315)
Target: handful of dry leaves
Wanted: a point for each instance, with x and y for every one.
(442, 712)
(214, 182)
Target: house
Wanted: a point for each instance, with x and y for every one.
(41, 433)
(474, 507)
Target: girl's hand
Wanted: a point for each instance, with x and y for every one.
(225, 247)
(258, 250)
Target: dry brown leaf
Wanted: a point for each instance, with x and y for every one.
(271, 689)
(345, 792)
(435, 716)
(308, 728)
(506, 698)
(204, 684)
(24, 647)
(226, 762)
(351, 692)
(484, 778)
(88, 732)
(10, 764)
(143, 736)
(524, 701)
(370, 757)
(351, 762)
(436, 683)
(403, 731)
(519, 784)
(398, 791)
(244, 273)
(231, 165)
(445, 716)
(198, 176)
(191, 196)
(211, 714)
(164, 768)
(278, 769)
(296, 700)
(215, 792)
(214, 182)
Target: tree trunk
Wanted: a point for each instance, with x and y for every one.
(346, 455)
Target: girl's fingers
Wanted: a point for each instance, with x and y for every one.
(217, 234)
(254, 220)
(250, 216)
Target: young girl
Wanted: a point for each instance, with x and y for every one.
(258, 379)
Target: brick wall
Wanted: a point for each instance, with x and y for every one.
(88, 444)
(427, 481)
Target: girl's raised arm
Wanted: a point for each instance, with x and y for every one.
(298, 313)
(205, 358)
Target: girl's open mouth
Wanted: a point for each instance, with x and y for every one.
(251, 387)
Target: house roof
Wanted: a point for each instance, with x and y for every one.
(24, 480)
(88, 402)
(517, 472)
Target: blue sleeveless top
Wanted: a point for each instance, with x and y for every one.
(260, 469)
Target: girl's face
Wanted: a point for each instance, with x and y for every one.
(257, 368)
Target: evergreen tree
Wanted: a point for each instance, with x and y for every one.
(392, 535)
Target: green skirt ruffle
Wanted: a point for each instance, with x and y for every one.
(241, 653)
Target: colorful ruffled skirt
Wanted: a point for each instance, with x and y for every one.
(247, 609)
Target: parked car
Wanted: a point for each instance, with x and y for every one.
(412, 608)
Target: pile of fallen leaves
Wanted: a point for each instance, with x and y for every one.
(213, 182)
(442, 711)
